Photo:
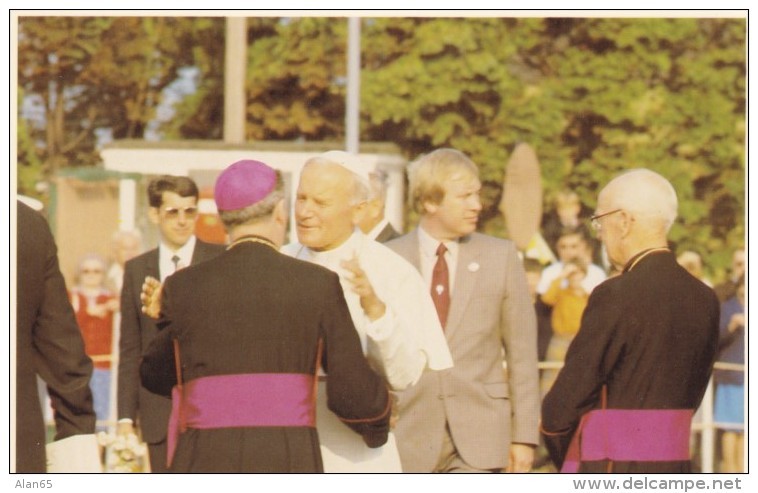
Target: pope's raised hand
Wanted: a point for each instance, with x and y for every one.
(370, 302)
(151, 297)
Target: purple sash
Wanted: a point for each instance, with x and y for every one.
(630, 435)
(248, 400)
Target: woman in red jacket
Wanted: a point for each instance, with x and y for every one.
(94, 306)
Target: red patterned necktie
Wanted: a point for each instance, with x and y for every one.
(441, 285)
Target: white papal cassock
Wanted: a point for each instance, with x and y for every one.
(400, 345)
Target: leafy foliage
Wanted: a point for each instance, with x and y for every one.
(95, 73)
(30, 166)
(200, 115)
(593, 96)
(296, 79)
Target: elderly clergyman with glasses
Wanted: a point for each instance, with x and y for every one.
(639, 366)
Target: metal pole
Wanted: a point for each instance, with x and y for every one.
(708, 432)
(235, 64)
(352, 107)
(127, 204)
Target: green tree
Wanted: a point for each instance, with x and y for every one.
(98, 73)
(53, 52)
(29, 164)
(457, 83)
(593, 96)
(295, 82)
(667, 94)
(200, 115)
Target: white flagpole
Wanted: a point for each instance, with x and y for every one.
(352, 106)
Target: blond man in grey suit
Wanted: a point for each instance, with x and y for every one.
(476, 416)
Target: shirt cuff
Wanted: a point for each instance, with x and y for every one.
(381, 329)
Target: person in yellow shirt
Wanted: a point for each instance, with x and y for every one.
(568, 298)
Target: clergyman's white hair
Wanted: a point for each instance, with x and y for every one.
(645, 193)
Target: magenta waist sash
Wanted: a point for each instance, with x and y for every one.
(247, 400)
(647, 435)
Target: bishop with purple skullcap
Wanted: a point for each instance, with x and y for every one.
(243, 184)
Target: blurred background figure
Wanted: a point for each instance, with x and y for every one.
(572, 245)
(94, 306)
(569, 213)
(533, 269)
(371, 218)
(728, 288)
(561, 302)
(565, 213)
(730, 384)
(693, 263)
(568, 299)
(125, 245)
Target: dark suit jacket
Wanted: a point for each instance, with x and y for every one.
(48, 343)
(241, 313)
(650, 335)
(148, 410)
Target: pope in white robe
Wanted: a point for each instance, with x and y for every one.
(402, 343)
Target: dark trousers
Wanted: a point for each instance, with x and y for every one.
(158, 456)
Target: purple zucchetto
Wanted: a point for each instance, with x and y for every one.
(243, 184)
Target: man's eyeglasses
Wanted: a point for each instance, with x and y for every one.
(595, 220)
(173, 213)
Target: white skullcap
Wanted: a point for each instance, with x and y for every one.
(351, 162)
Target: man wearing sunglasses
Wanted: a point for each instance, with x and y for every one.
(173, 209)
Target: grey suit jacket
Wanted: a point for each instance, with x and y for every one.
(491, 321)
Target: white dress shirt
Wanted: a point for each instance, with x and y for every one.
(166, 264)
(428, 249)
